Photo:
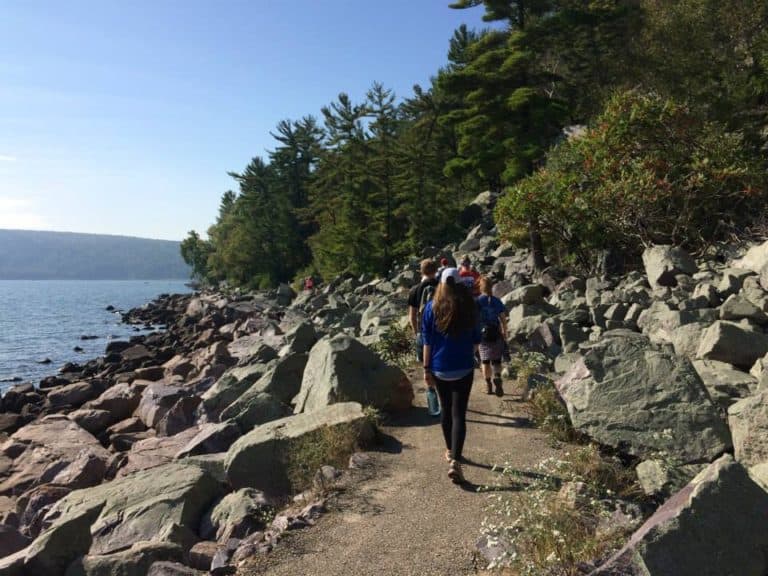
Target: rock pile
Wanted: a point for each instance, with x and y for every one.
(169, 454)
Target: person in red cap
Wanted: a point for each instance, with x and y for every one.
(470, 276)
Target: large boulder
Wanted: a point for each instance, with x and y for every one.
(625, 393)
(11, 540)
(733, 343)
(663, 263)
(725, 384)
(341, 369)
(268, 398)
(155, 451)
(59, 545)
(237, 515)
(43, 449)
(755, 258)
(231, 386)
(714, 526)
(737, 307)
(261, 459)
(135, 561)
(163, 504)
(72, 395)
(120, 401)
(748, 419)
(211, 438)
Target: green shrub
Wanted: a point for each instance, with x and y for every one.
(396, 346)
(330, 445)
(648, 170)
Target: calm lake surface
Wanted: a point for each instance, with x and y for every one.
(46, 319)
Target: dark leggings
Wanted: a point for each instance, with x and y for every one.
(454, 397)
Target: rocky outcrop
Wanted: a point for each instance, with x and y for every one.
(664, 263)
(714, 526)
(341, 369)
(43, 449)
(748, 419)
(625, 393)
(261, 458)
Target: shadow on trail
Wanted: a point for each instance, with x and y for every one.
(468, 486)
(415, 417)
(387, 443)
(513, 423)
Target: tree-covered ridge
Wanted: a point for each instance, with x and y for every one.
(36, 255)
(686, 85)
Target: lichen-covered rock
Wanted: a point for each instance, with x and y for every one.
(748, 419)
(625, 393)
(714, 526)
(662, 263)
(341, 369)
(268, 398)
(135, 561)
(165, 504)
(732, 343)
(260, 459)
(237, 515)
(44, 448)
(725, 384)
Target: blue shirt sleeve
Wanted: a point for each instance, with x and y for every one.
(427, 325)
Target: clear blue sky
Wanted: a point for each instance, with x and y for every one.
(123, 117)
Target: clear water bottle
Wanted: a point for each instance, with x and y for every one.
(433, 405)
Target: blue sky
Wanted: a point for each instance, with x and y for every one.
(124, 117)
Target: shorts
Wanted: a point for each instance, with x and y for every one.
(492, 351)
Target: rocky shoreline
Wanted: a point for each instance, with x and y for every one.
(172, 453)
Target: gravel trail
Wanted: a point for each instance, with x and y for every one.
(406, 518)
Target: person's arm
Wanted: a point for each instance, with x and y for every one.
(503, 324)
(429, 377)
(413, 315)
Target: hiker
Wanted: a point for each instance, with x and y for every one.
(309, 283)
(493, 332)
(443, 266)
(418, 297)
(470, 276)
(451, 333)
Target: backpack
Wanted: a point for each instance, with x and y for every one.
(489, 322)
(427, 293)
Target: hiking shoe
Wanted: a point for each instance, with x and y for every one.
(499, 389)
(488, 387)
(454, 472)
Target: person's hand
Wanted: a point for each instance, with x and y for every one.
(429, 379)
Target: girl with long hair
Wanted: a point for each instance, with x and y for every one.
(451, 334)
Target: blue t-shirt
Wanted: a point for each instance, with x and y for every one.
(491, 308)
(449, 353)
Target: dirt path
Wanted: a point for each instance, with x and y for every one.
(407, 518)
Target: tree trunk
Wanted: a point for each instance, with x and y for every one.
(537, 246)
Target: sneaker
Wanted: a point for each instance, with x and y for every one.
(454, 472)
(488, 387)
(499, 389)
(448, 455)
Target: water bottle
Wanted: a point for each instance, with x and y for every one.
(433, 405)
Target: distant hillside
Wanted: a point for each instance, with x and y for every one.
(32, 255)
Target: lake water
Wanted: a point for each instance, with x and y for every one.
(46, 319)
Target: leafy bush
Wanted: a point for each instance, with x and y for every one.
(648, 170)
(543, 533)
(396, 346)
(330, 445)
(545, 407)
